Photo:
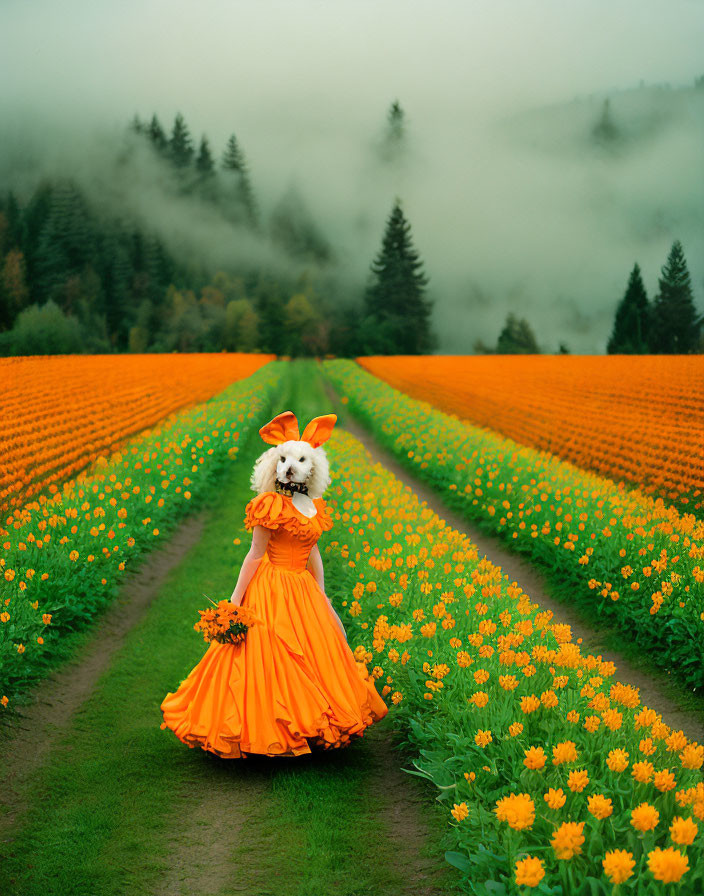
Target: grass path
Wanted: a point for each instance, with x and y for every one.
(113, 804)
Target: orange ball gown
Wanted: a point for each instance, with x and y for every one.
(294, 683)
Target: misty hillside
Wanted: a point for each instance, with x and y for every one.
(587, 187)
(639, 116)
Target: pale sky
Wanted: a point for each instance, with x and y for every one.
(510, 211)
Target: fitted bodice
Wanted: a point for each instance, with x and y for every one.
(293, 533)
(289, 549)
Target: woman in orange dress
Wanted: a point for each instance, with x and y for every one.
(293, 683)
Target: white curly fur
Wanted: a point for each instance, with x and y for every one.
(313, 470)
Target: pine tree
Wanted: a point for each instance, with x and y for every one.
(117, 273)
(156, 135)
(66, 242)
(233, 161)
(516, 338)
(12, 230)
(137, 125)
(393, 143)
(630, 334)
(675, 322)
(605, 131)
(395, 302)
(395, 119)
(204, 162)
(293, 226)
(180, 143)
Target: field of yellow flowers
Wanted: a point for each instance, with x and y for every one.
(626, 558)
(636, 418)
(556, 778)
(62, 554)
(48, 435)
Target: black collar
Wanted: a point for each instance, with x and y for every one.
(288, 488)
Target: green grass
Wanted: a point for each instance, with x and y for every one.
(106, 809)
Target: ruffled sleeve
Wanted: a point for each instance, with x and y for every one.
(265, 509)
(325, 515)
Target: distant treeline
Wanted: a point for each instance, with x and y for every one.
(668, 325)
(74, 278)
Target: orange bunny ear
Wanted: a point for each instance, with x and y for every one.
(319, 430)
(282, 428)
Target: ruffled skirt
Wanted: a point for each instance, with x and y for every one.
(292, 685)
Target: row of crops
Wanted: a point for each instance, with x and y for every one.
(636, 418)
(64, 552)
(62, 412)
(627, 559)
(555, 777)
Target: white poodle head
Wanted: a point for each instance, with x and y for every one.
(294, 457)
(292, 461)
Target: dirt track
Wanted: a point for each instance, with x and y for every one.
(27, 745)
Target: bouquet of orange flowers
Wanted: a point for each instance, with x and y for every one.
(225, 622)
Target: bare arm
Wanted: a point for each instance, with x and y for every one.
(315, 565)
(260, 539)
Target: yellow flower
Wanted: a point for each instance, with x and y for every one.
(676, 741)
(529, 872)
(692, 756)
(481, 698)
(549, 699)
(600, 806)
(460, 811)
(517, 810)
(515, 729)
(618, 865)
(530, 704)
(564, 752)
(645, 817)
(664, 780)
(646, 746)
(642, 771)
(555, 798)
(482, 738)
(577, 780)
(617, 760)
(568, 839)
(612, 719)
(683, 831)
(667, 865)
(535, 758)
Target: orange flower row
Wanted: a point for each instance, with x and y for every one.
(62, 412)
(633, 418)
